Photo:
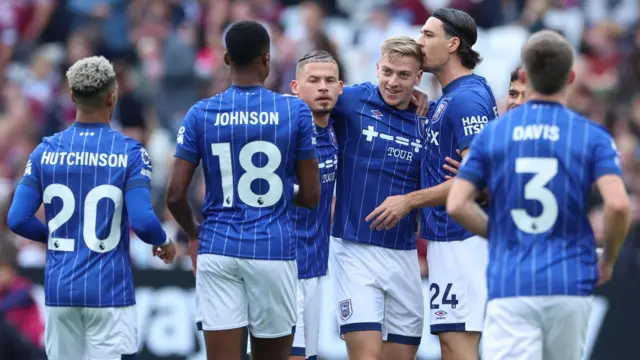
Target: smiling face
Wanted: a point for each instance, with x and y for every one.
(317, 83)
(517, 94)
(397, 77)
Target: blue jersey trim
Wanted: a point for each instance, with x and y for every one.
(298, 351)
(306, 155)
(30, 182)
(607, 171)
(365, 326)
(187, 155)
(453, 327)
(138, 183)
(473, 178)
(403, 339)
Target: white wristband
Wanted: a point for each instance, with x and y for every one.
(167, 241)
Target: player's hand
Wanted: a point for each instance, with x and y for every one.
(421, 102)
(605, 270)
(389, 213)
(193, 253)
(452, 166)
(166, 253)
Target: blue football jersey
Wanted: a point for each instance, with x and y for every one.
(379, 150)
(539, 162)
(466, 106)
(313, 226)
(83, 173)
(248, 139)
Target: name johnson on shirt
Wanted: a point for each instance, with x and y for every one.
(247, 118)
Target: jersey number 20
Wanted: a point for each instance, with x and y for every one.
(252, 172)
(544, 169)
(90, 212)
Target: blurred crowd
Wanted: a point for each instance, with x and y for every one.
(168, 54)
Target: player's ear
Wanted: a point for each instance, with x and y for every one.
(572, 77)
(294, 88)
(418, 78)
(73, 98)
(226, 59)
(266, 59)
(454, 44)
(341, 86)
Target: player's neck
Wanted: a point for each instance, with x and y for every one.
(321, 120)
(97, 117)
(560, 98)
(246, 79)
(451, 72)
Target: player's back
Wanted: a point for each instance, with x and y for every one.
(544, 159)
(84, 173)
(249, 139)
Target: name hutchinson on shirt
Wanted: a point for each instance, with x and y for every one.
(84, 159)
(247, 118)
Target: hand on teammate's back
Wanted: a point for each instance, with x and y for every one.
(166, 253)
(421, 102)
(452, 166)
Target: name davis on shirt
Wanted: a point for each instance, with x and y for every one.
(370, 134)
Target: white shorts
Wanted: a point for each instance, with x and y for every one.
(377, 289)
(457, 284)
(232, 293)
(90, 333)
(536, 327)
(309, 305)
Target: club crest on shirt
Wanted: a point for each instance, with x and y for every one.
(180, 139)
(439, 111)
(377, 114)
(346, 309)
(145, 156)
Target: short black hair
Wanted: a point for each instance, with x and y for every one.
(457, 23)
(245, 41)
(315, 57)
(515, 74)
(548, 59)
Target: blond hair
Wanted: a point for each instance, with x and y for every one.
(400, 46)
(91, 79)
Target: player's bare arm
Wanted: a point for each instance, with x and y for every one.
(617, 217)
(463, 207)
(308, 195)
(178, 203)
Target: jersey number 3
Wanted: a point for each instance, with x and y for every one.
(90, 217)
(544, 169)
(252, 172)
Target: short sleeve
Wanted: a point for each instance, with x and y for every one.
(474, 167)
(468, 114)
(187, 142)
(606, 158)
(32, 173)
(138, 168)
(306, 135)
(350, 96)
